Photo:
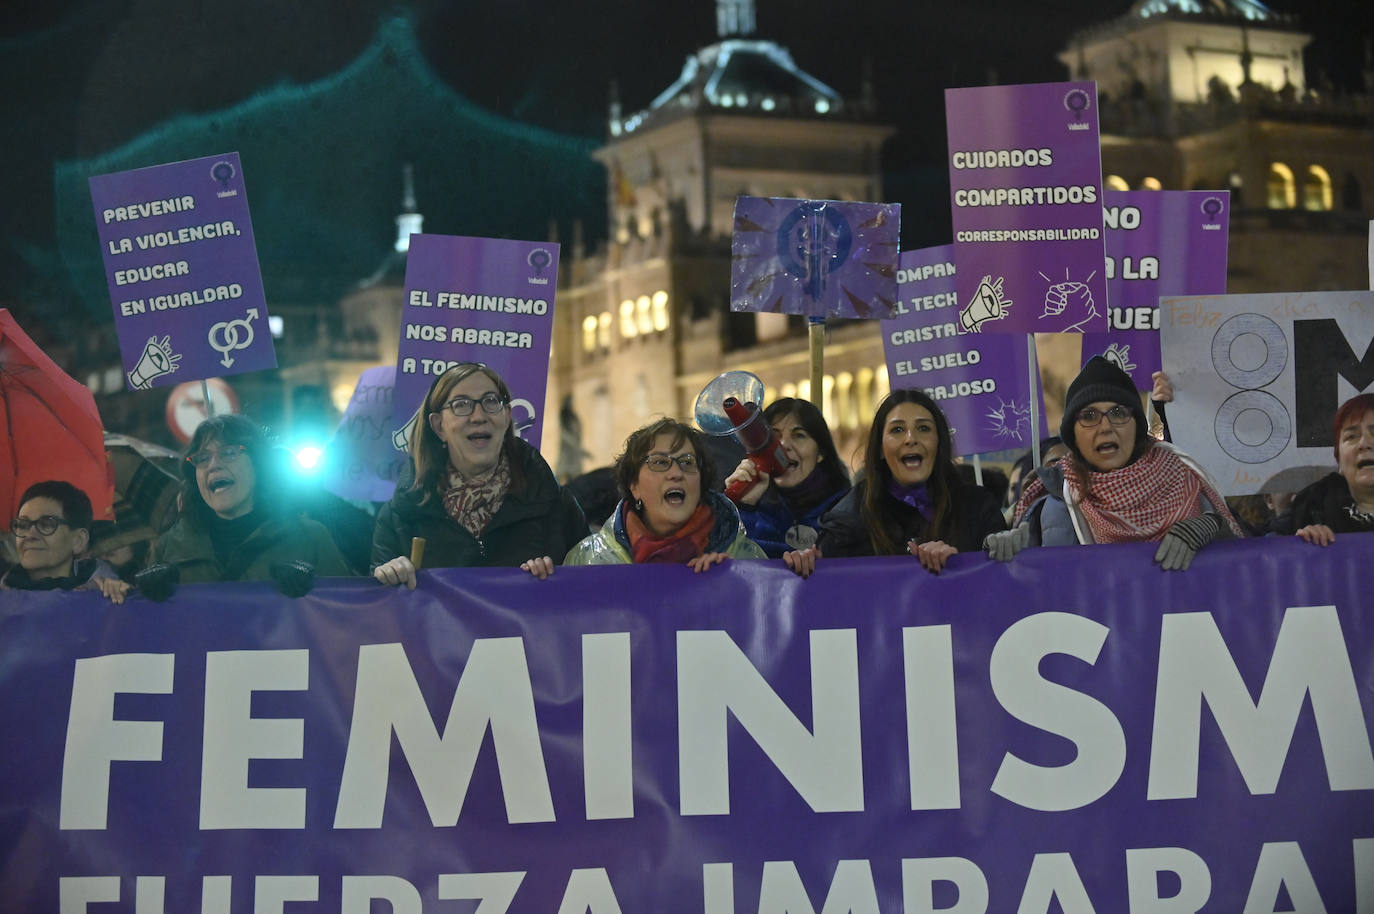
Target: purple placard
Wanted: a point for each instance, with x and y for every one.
(183, 273)
(820, 258)
(646, 739)
(1025, 176)
(362, 462)
(487, 300)
(981, 382)
(1160, 243)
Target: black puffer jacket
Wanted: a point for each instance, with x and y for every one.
(542, 519)
(844, 530)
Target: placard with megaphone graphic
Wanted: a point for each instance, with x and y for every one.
(182, 271)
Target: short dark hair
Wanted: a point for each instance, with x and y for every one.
(228, 429)
(641, 441)
(76, 504)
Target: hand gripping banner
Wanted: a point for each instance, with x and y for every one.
(1072, 731)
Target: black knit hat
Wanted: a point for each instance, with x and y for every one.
(1100, 381)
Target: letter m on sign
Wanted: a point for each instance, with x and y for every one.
(1321, 353)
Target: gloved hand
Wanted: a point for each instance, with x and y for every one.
(293, 579)
(1184, 539)
(158, 582)
(1004, 544)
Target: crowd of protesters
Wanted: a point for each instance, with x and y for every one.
(478, 496)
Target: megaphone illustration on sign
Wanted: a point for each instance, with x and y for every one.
(400, 439)
(157, 360)
(729, 405)
(987, 305)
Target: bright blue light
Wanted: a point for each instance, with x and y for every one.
(308, 458)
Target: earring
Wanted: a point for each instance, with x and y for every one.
(639, 505)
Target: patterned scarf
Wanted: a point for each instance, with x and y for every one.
(690, 540)
(1138, 502)
(472, 502)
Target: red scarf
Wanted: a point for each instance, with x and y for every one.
(687, 543)
(1138, 502)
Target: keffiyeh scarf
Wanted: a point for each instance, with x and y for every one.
(1136, 503)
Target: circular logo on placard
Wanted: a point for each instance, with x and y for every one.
(223, 172)
(1076, 100)
(814, 233)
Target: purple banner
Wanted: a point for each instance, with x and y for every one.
(820, 258)
(487, 300)
(1160, 243)
(982, 382)
(1036, 736)
(1025, 177)
(362, 461)
(183, 271)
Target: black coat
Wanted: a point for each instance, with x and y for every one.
(1325, 502)
(844, 529)
(542, 519)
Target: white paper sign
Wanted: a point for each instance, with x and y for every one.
(1258, 379)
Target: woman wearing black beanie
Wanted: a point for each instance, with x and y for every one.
(1116, 484)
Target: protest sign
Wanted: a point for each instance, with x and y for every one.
(819, 258)
(487, 300)
(1258, 379)
(1160, 243)
(1025, 176)
(363, 464)
(1019, 737)
(182, 268)
(981, 382)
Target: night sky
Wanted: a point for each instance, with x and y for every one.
(82, 79)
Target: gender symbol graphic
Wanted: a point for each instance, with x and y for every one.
(225, 337)
(813, 242)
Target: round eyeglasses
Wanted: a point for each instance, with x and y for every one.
(492, 403)
(47, 524)
(1091, 417)
(660, 463)
(228, 453)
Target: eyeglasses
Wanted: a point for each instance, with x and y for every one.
(660, 463)
(492, 403)
(1092, 417)
(228, 453)
(47, 524)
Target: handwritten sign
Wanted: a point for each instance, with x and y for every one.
(182, 269)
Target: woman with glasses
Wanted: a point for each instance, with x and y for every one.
(666, 514)
(475, 492)
(236, 520)
(910, 500)
(1116, 484)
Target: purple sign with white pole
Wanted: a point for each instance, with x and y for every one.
(487, 300)
(1160, 243)
(1025, 175)
(820, 258)
(981, 382)
(183, 271)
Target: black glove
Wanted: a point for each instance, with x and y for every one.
(293, 579)
(158, 582)
(1184, 539)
